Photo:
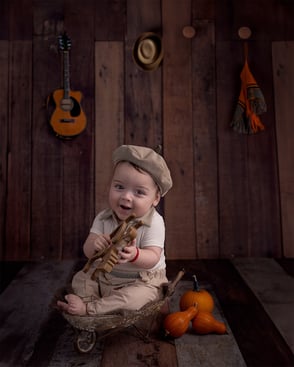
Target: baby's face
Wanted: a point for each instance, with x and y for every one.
(132, 191)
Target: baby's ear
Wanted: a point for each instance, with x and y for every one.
(157, 199)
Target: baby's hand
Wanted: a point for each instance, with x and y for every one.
(128, 253)
(101, 242)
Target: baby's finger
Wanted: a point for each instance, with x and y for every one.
(132, 243)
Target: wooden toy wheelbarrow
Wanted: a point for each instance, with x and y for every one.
(91, 328)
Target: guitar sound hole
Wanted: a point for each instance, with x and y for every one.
(76, 108)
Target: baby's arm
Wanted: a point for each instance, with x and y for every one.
(146, 258)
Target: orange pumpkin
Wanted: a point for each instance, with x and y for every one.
(199, 297)
(205, 323)
(177, 323)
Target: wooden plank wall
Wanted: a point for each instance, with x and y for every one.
(19, 139)
(226, 196)
(178, 128)
(251, 231)
(4, 54)
(109, 93)
(283, 73)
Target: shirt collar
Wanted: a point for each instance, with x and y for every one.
(146, 219)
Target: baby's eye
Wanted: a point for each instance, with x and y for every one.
(118, 187)
(141, 192)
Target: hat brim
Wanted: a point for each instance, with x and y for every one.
(157, 41)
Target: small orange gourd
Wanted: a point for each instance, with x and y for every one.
(205, 323)
(197, 296)
(177, 323)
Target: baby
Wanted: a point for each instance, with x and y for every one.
(140, 178)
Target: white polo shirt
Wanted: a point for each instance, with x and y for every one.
(152, 233)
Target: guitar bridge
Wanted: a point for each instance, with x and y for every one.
(67, 120)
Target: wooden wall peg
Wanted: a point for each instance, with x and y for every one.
(189, 31)
(244, 33)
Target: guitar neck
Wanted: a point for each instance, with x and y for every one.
(66, 83)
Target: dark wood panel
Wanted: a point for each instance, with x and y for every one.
(283, 57)
(19, 153)
(48, 20)
(177, 131)
(51, 214)
(143, 104)
(203, 9)
(232, 156)
(78, 156)
(231, 15)
(205, 139)
(4, 19)
(21, 28)
(79, 20)
(46, 202)
(4, 67)
(248, 178)
(110, 27)
(109, 122)
(264, 231)
(143, 16)
(77, 199)
(110, 20)
(69, 163)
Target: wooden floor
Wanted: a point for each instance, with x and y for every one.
(33, 334)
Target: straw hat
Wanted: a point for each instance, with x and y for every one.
(148, 51)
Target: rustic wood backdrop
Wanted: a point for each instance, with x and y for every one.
(233, 194)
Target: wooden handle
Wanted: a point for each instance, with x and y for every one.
(178, 277)
(173, 284)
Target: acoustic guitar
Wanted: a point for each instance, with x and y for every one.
(68, 118)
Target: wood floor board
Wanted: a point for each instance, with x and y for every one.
(206, 350)
(8, 271)
(274, 288)
(287, 265)
(32, 334)
(24, 308)
(260, 342)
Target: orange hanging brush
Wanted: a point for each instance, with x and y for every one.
(251, 103)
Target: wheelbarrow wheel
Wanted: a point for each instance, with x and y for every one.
(85, 341)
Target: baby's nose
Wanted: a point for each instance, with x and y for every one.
(127, 195)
